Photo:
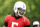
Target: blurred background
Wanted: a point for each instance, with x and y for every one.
(32, 11)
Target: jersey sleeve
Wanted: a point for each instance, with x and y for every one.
(27, 22)
(7, 18)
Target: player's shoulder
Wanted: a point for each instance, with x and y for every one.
(26, 19)
(8, 16)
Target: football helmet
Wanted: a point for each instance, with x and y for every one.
(20, 5)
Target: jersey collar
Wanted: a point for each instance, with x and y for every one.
(15, 16)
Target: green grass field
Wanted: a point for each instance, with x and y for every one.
(2, 21)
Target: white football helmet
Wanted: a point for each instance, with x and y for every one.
(21, 5)
(35, 23)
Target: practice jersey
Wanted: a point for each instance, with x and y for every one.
(20, 22)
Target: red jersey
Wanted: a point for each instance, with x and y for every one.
(20, 22)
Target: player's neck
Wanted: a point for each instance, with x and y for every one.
(16, 15)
